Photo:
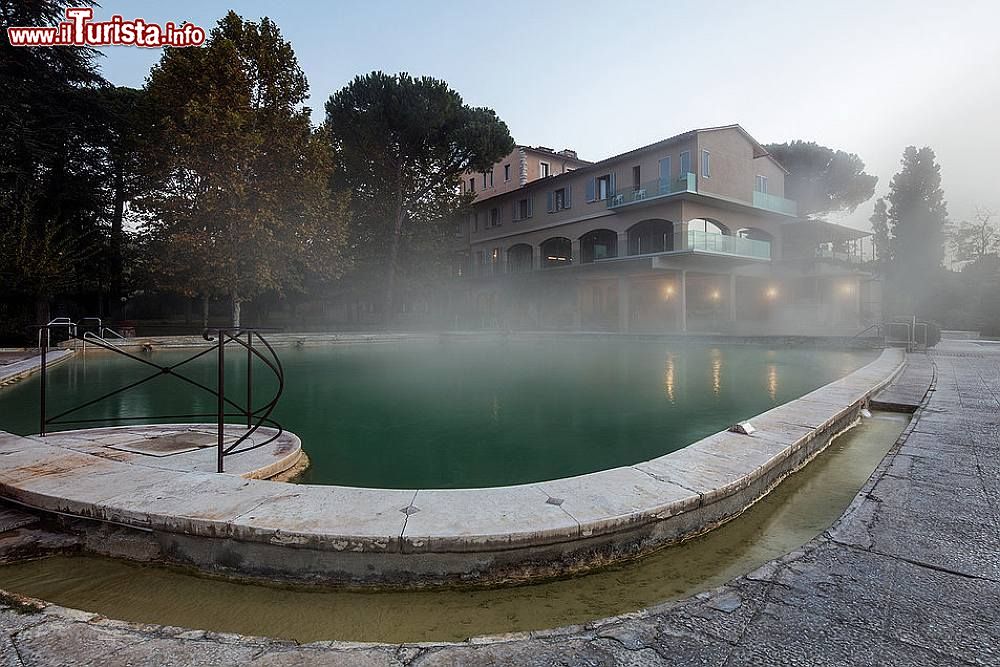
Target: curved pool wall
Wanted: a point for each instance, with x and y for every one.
(355, 536)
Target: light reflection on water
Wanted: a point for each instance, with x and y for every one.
(716, 356)
(668, 377)
(772, 381)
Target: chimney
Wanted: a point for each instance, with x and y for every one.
(568, 152)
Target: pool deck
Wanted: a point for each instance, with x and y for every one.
(26, 364)
(330, 534)
(909, 575)
(179, 448)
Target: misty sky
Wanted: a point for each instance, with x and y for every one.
(603, 77)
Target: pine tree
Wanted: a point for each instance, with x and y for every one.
(51, 199)
(880, 229)
(402, 145)
(917, 216)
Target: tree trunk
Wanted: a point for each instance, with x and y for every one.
(117, 266)
(236, 310)
(390, 278)
(204, 311)
(42, 315)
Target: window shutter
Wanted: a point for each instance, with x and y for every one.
(569, 196)
(531, 200)
(591, 189)
(612, 186)
(513, 211)
(548, 196)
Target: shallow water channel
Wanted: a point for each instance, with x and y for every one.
(802, 507)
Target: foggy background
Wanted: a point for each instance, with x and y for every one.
(870, 78)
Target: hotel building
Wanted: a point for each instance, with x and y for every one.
(689, 234)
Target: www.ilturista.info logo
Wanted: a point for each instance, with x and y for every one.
(79, 30)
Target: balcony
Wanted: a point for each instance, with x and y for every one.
(727, 245)
(775, 204)
(846, 257)
(653, 190)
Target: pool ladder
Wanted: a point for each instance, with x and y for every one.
(225, 406)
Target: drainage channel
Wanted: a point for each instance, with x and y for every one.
(802, 507)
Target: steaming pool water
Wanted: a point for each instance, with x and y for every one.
(451, 414)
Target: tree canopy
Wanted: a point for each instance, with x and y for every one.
(972, 240)
(823, 180)
(242, 203)
(51, 190)
(403, 143)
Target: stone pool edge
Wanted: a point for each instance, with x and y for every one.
(19, 370)
(270, 530)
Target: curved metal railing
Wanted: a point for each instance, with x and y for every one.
(226, 407)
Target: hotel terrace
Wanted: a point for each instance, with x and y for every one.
(689, 234)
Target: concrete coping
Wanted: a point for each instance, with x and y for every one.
(686, 483)
(21, 369)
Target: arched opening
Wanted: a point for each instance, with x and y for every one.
(557, 251)
(708, 226)
(598, 244)
(650, 236)
(754, 234)
(519, 258)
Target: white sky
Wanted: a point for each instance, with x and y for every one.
(868, 77)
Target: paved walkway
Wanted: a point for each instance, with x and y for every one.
(910, 575)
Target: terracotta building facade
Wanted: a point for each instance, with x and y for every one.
(689, 234)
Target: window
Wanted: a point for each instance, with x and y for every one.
(560, 199)
(706, 226)
(761, 184)
(706, 164)
(543, 169)
(495, 260)
(522, 209)
(506, 172)
(495, 216)
(636, 177)
(685, 162)
(487, 179)
(472, 185)
(665, 174)
(603, 187)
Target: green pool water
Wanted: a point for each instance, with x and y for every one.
(453, 414)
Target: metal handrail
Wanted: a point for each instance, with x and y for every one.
(877, 327)
(55, 322)
(226, 407)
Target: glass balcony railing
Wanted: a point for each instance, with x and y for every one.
(661, 187)
(775, 203)
(728, 245)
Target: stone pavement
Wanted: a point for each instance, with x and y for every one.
(908, 576)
